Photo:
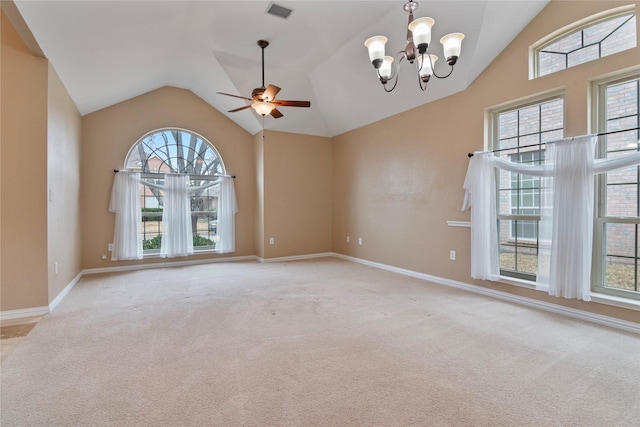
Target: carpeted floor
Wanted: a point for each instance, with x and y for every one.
(12, 332)
(322, 342)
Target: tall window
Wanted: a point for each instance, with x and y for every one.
(617, 234)
(177, 151)
(602, 36)
(519, 133)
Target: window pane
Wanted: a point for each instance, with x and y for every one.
(624, 38)
(622, 100)
(620, 240)
(529, 140)
(552, 115)
(566, 44)
(551, 62)
(529, 120)
(620, 273)
(622, 141)
(622, 200)
(509, 142)
(621, 256)
(599, 39)
(508, 125)
(518, 254)
(623, 176)
(583, 55)
(528, 260)
(598, 32)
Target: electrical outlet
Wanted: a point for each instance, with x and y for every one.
(110, 247)
(272, 240)
(452, 255)
(360, 241)
(348, 239)
(103, 257)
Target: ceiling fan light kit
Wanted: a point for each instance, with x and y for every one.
(416, 51)
(263, 99)
(263, 107)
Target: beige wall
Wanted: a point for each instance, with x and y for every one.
(297, 194)
(107, 136)
(396, 182)
(23, 144)
(63, 166)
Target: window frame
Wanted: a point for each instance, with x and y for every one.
(492, 143)
(159, 176)
(598, 108)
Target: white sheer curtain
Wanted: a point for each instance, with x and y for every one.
(566, 226)
(480, 195)
(564, 266)
(125, 202)
(177, 237)
(227, 208)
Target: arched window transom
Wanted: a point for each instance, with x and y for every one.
(174, 150)
(600, 36)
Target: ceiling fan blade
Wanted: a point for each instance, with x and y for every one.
(235, 96)
(292, 103)
(276, 114)
(239, 109)
(270, 93)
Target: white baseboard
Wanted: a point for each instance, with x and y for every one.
(24, 312)
(167, 264)
(57, 300)
(297, 257)
(542, 305)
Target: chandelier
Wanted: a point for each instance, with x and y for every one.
(418, 39)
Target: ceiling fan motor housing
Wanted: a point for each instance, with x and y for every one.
(257, 93)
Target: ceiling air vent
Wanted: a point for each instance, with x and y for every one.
(280, 11)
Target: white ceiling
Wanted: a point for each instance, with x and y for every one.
(109, 51)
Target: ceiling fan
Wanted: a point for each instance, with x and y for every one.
(263, 99)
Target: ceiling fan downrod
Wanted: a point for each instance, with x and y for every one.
(263, 44)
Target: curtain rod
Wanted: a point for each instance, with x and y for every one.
(151, 173)
(550, 142)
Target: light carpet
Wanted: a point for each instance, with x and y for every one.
(322, 342)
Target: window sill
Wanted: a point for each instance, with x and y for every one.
(627, 303)
(157, 254)
(518, 282)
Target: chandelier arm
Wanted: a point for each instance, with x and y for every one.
(442, 77)
(394, 73)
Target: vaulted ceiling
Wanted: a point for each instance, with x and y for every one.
(108, 51)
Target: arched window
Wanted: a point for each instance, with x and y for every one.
(598, 36)
(178, 177)
(173, 150)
